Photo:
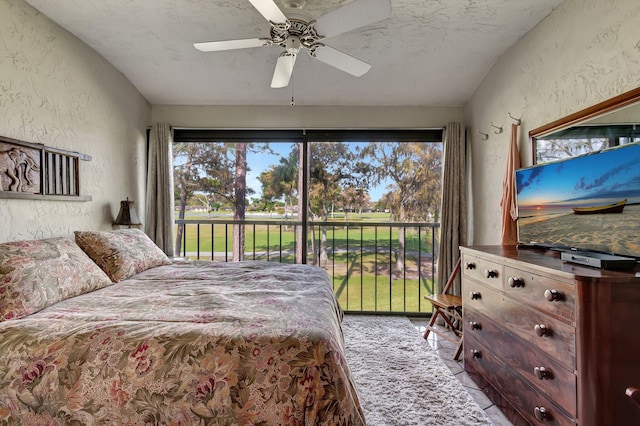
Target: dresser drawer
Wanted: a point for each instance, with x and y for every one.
(590, 336)
(546, 294)
(543, 373)
(482, 270)
(552, 336)
(478, 359)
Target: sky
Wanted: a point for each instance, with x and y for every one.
(259, 162)
(593, 179)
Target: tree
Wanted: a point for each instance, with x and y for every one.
(286, 177)
(557, 149)
(303, 202)
(270, 190)
(281, 180)
(384, 203)
(239, 195)
(354, 200)
(182, 180)
(189, 162)
(215, 170)
(227, 179)
(415, 169)
(334, 167)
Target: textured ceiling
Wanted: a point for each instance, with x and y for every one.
(428, 53)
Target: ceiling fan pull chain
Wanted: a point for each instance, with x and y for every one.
(293, 103)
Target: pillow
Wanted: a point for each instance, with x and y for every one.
(36, 274)
(121, 253)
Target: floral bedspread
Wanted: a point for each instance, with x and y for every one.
(252, 343)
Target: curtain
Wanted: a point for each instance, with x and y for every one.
(453, 226)
(508, 208)
(159, 207)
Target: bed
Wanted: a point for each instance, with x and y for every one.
(107, 330)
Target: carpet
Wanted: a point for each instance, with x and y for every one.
(401, 381)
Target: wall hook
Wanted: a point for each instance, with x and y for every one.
(517, 120)
(485, 136)
(497, 132)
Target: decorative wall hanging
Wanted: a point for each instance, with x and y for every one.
(38, 172)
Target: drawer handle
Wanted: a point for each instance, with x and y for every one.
(475, 353)
(553, 295)
(633, 393)
(542, 330)
(516, 282)
(475, 326)
(490, 273)
(475, 295)
(470, 265)
(541, 414)
(542, 373)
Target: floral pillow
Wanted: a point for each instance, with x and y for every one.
(121, 253)
(36, 274)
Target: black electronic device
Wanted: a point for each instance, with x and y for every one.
(598, 260)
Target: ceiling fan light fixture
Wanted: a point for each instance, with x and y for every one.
(294, 34)
(294, 4)
(292, 44)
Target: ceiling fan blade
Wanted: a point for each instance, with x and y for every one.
(284, 69)
(351, 16)
(342, 61)
(215, 46)
(269, 10)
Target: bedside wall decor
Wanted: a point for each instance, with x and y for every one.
(36, 171)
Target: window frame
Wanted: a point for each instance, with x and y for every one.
(305, 136)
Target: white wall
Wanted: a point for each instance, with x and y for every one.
(56, 91)
(287, 117)
(585, 52)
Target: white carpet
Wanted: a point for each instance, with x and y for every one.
(401, 381)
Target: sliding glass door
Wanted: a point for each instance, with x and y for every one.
(364, 206)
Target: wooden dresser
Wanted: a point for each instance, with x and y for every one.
(551, 342)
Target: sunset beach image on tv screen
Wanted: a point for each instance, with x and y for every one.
(591, 202)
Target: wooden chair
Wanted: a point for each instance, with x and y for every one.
(449, 308)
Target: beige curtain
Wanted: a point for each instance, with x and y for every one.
(159, 219)
(508, 201)
(453, 226)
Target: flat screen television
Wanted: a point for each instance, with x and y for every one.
(586, 203)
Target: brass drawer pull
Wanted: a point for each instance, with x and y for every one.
(475, 295)
(490, 273)
(475, 326)
(553, 295)
(542, 373)
(542, 330)
(516, 282)
(633, 393)
(541, 414)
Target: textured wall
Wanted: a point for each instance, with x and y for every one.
(584, 52)
(56, 91)
(306, 116)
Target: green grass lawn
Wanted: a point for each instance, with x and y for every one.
(380, 294)
(260, 238)
(361, 278)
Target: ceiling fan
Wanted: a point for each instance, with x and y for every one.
(295, 34)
